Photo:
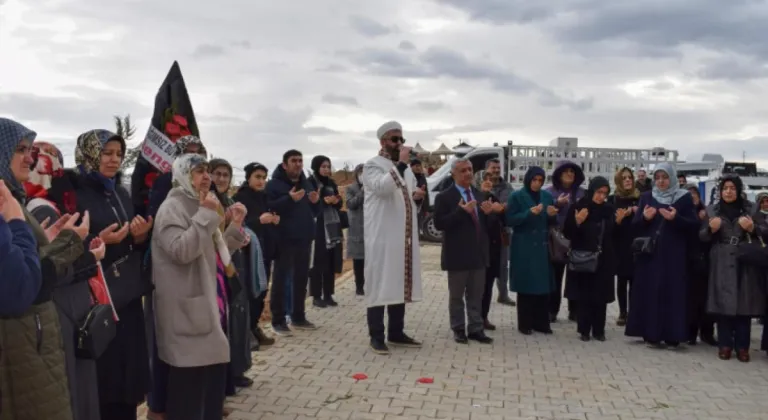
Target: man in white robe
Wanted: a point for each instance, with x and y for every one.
(392, 263)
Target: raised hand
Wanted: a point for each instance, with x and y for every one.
(714, 224)
(746, 223)
(669, 213)
(486, 206)
(551, 210)
(296, 194)
(53, 231)
(238, 212)
(98, 249)
(486, 186)
(84, 227)
(563, 199)
(314, 196)
(112, 235)
(140, 226)
(266, 218)
(581, 216)
(468, 207)
(703, 214)
(208, 200)
(649, 212)
(275, 218)
(537, 209)
(405, 154)
(622, 213)
(498, 208)
(419, 193)
(10, 208)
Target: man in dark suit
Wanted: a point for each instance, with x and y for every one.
(461, 212)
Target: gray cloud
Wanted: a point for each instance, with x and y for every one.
(369, 27)
(208, 51)
(437, 62)
(330, 98)
(733, 68)
(406, 45)
(432, 105)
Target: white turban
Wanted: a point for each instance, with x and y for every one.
(388, 126)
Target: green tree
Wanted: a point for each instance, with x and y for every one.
(125, 129)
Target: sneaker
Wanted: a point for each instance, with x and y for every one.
(379, 346)
(404, 341)
(303, 325)
(318, 303)
(330, 302)
(282, 330)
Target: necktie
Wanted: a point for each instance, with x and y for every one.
(475, 220)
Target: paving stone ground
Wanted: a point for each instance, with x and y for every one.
(309, 376)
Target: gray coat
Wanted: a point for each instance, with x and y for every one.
(733, 290)
(355, 239)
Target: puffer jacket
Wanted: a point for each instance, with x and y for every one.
(33, 380)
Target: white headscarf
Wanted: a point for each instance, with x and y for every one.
(674, 192)
(182, 172)
(388, 126)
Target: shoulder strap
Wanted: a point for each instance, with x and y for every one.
(600, 237)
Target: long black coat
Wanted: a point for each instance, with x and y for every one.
(622, 237)
(322, 256)
(123, 369)
(597, 287)
(256, 203)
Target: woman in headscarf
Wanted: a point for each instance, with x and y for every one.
(700, 323)
(191, 260)
(239, 325)
(123, 368)
(262, 222)
(589, 226)
(530, 212)
(737, 290)
(355, 238)
(566, 189)
(327, 252)
(665, 220)
(48, 184)
(156, 195)
(624, 201)
(33, 380)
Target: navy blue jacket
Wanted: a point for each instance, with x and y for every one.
(297, 218)
(21, 277)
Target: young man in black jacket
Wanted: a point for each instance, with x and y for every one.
(291, 196)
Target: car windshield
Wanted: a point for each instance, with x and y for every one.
(440, 173)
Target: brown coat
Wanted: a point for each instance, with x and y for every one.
(189, 331)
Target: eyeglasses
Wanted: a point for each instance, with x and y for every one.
(397, 139)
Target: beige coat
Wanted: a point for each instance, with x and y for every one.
(189, 331)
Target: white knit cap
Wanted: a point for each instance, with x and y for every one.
(388, 126)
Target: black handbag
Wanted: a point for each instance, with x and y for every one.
(646, 245)
(559, 246)
(752, 253)
(586, 261)
(95, 332)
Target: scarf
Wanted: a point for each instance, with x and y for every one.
(183, 142)
(88, 155)
(182, 170)
(731, 211)
(674, 192)
(11, 135)
(619, 182)
(258, 276)
(331, 219)
(48, 169)
(532, 172)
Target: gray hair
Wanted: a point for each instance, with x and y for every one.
(457, 161)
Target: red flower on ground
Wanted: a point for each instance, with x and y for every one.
(425, 380)
(359, 376)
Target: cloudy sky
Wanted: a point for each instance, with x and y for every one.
(321, 76)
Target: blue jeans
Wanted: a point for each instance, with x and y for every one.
(734, 332)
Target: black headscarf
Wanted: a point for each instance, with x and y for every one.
(532, 172)
(603, 210)
(317, 162)
(734, 210)
(224, 198)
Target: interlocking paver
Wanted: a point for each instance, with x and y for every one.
(518, 377)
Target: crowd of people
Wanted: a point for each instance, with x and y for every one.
(109, 299)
